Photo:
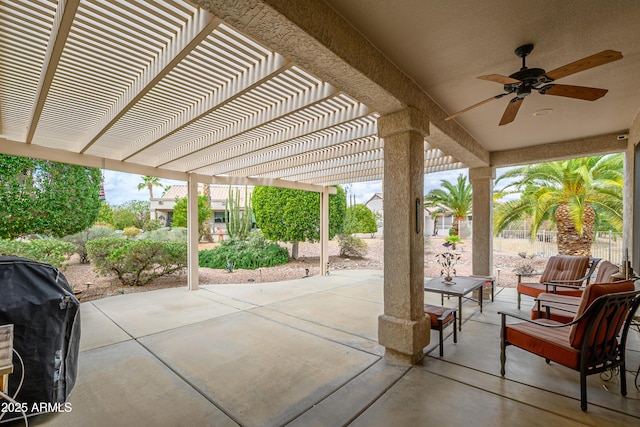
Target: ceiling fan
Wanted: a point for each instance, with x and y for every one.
(522, 82)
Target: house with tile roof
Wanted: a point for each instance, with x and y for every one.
(161, 208)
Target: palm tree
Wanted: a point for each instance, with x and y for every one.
(456, 199)
(149, 182)
(574, 194)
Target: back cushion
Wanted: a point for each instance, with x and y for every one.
(588, 296)
(606, 270)
(565, 267)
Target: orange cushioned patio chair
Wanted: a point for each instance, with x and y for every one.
(441, 317)
(569, 270)
(562, 308)
(592, 343)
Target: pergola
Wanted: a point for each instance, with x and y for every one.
(306, 95)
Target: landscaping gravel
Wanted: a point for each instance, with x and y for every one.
(83, 277)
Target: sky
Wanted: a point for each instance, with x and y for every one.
(122, 187)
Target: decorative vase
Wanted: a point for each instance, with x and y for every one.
(448, 279)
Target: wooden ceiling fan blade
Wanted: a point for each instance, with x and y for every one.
(510, 112)
(601, 58)
(498, 78)
(576, 92)
(453, 116)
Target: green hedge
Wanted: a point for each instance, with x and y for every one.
(136, 262)
(255, 253)
(50, 251)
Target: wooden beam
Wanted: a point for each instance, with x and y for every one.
(231, 180)
(15, 148)
(62, 21)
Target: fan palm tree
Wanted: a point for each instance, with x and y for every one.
(149, 182)
(574, 194)
(456, 199)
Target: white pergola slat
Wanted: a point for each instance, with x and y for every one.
(168, 87)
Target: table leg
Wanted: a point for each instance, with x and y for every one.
(480, 297)
(460, 312)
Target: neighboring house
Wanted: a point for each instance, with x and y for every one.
(439, 225)
(376, 206)
(161, 208)
(433, 225)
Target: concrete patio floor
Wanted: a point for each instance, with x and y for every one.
(304, 353)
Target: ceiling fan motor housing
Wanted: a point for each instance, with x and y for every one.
(529, 77)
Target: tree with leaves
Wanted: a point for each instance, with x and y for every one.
(44, 197)
(132, 213)
(149, 182)
(204, 213)
(361, 220)
(577, 195)
(454, 198)
(293, 216)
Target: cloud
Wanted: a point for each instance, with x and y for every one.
(120, 187)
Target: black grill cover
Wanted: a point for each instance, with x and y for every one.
(37, 299)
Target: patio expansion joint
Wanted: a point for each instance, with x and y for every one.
(270, 303)
(132, 338)
(506, 396)
(354, 378)
(187, 381)
(312, 333)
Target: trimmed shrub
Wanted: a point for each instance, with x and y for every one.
(50, 251)
(80, 239)
(152, 225)
(174, 234)
(131, 231)
(351, 246)
(136, 262)
(254, 253)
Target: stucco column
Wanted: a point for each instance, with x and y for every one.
(482, 234)
(324, 231)
(403, 329)
(193, 236)
(631, 204)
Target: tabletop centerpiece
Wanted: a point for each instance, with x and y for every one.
(448, 261)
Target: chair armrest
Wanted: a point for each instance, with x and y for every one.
(528, 275)
(552, 302)
(504, 314)
(564, 284)
(567, 307)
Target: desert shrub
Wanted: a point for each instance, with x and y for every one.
(351, 246)
(131, 231)
(254, 253)
(152, 225)
(136, 262)
(80, 239)
(174, 234)
(50, 251)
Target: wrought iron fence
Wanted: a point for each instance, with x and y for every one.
(607, 245)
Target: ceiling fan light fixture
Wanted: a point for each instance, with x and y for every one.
(542, 112)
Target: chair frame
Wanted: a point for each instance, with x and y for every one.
(442, 323)
(595, 357)
(576, 284)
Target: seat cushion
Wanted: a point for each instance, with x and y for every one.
(590, 294)
(551, 343)
(565, 267)
(531, 289)
(436, 311)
